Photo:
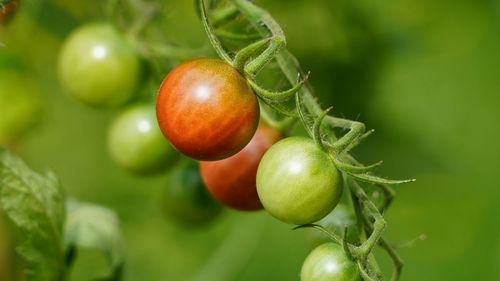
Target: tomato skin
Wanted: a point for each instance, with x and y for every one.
(232, 181)
(207, 110)
(186, 200)
(98, 67)
(329, 262)
(297, 182)
(136, 143)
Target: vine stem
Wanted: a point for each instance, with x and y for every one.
(368, 213)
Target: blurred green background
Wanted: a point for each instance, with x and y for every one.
(425, 74)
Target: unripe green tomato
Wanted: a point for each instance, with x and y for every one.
(136, 143)
(297, 182)
(336, 221)
(186, 200)
(329, 262)
(20, 105)
(98, 67)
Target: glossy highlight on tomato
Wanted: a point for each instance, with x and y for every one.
(186, 200)
(136, 143)
(329, 262)
(232, 181)
(297, 182)
(98, 67)
(207, 110)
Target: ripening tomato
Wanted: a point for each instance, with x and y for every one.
(297, 182)
(98, 67)
(232, 180)
(207, 110)
(136, 143)
(329, 262)
(186, 200)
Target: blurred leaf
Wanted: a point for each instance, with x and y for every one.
(35, 205)
(94, 227)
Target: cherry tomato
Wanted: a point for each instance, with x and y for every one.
(186, 200)
(7, 10)
(232, 180)
(336, 221)
(207, 110)
(329, 262)
(98, 67)
(20, 102)
(136, 143)
(297, 182)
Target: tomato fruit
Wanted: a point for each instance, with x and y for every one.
(329, 262)
(7, 10)
(136, 143)
(20, 103)
(232, 180)
(297, 182)
(186, 200)
(207, 110)
(336, 221)
(98, 67)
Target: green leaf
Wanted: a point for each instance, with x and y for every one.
(35, 205)
(377, 180)
(94, 227)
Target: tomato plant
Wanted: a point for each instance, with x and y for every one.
(20, 104)
(329, 262)
(232, 181)
(297, 182)
(98, 67)
(136, 143)
(186, 200)
(207, 110)
(335, 222)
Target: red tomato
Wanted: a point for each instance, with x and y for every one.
(207, 110)
(232, 180)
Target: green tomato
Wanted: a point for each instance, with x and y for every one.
(336, 221)
(20, 105)
(98, 67)
(329, 262)
(297, 182)
(186, 200)
(136, 143)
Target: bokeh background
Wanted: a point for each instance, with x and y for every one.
(425, 74)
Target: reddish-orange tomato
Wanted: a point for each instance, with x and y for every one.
(7, 9)
(207, 110)
(232, 180)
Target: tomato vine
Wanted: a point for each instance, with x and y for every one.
(318, 123)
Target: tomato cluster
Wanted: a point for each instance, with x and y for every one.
(232, 181)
